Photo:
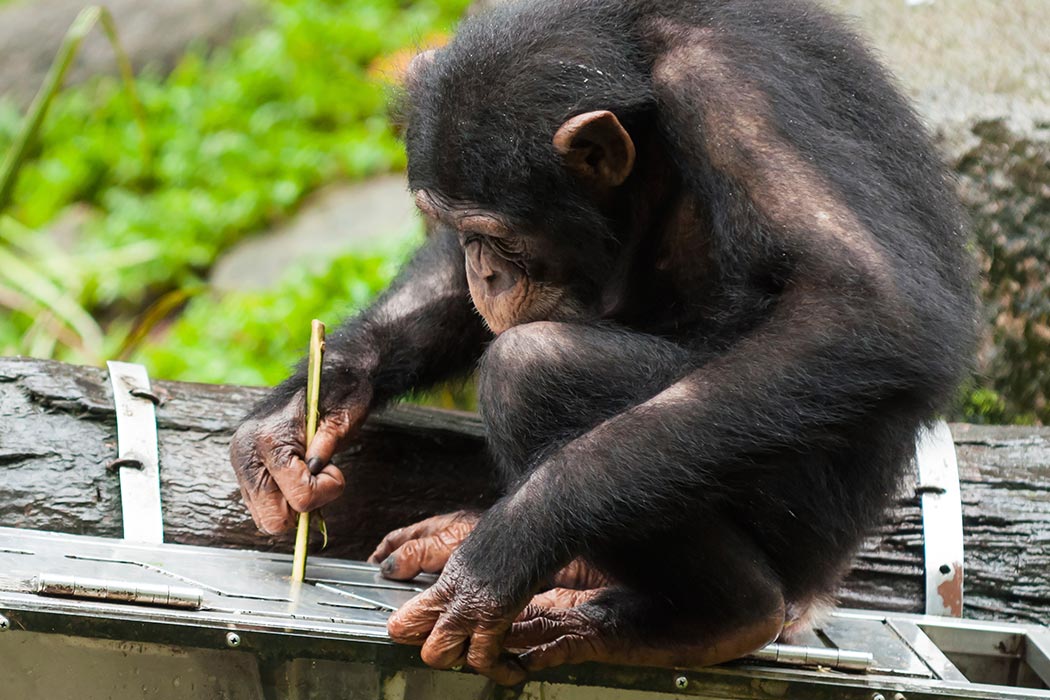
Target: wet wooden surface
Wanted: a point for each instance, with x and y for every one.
(58, 433)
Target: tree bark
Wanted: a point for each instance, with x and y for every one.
(59, 434)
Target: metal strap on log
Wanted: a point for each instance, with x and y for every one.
(942, 528)
(137, 455)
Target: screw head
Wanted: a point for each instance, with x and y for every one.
(681, 682)
(233, 639)
(4, 624)
(878, 696)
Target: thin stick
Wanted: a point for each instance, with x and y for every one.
(313, 390)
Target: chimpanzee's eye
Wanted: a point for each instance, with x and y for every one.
(509, 247)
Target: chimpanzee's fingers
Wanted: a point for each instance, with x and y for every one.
(333, 428)
(304, 491)
(427, 554)
(414, 620)
(396, 538)
(453, 528)
(485, 655)
(536, 625)
(580, 574)
(267, 505)
(423, 528)
(567, 649)
(563, 597)
(261, 494)
(447, 642)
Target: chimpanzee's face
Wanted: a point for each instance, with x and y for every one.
(504, 267)
(519, 272)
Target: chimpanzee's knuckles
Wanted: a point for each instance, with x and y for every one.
(244, 456)
(274, 518)
(414, 620)
(450, 528)
(305, 492)
(447, 643)
(388, 544)
(568, 649)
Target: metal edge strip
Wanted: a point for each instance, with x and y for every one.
(137, 453)
(942, 527)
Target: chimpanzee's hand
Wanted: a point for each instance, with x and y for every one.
(424, 546)
(460, 619)
(269, 456)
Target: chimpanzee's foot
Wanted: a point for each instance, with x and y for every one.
(603, 629)
(424, 546)
(558, 598)
(581, 575)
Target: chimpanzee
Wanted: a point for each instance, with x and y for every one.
(713, 279)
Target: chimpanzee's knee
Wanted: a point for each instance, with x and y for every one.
(521, 378)
(542, 384)
(520, 364)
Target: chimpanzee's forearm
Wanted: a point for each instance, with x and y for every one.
(421, 330)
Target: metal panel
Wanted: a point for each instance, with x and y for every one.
(137, 452)
(327, 637)
(941, 520)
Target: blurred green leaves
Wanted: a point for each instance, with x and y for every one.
(238, 137)
(255, 338)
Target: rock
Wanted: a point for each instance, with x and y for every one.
(333, 220)
(153, 32)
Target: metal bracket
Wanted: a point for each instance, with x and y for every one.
(942, 528)
(137, 452)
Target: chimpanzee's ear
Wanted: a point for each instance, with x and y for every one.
(418, 63)
(596, 147)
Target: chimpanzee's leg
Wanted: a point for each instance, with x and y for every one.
(542, 384)
(698, 596)
(539, 386)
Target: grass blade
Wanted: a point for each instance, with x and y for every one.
(67, 52)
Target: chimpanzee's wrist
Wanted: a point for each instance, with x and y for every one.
(534, 556)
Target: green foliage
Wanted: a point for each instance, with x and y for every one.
(256, 337)
(239, 137)
(1005, 183)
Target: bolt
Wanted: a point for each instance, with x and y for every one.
(878, 696)
(900, 696)
(681, 682)
(4, 624)
(233, 639)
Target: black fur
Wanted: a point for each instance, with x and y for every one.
(807, 380)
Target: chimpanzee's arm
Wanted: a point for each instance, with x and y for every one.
(421, 330)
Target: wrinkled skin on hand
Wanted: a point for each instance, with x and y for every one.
(271, 462)
(426, 546)
(423, 547)
(458, 620)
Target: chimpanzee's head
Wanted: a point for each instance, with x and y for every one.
(522, 145)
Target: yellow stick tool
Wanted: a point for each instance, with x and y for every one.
(313, 390)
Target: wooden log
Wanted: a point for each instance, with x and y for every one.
(59, 433)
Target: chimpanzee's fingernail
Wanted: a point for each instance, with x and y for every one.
(388, 564)
(315, 465)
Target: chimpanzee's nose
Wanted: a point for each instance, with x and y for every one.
(489, 269)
